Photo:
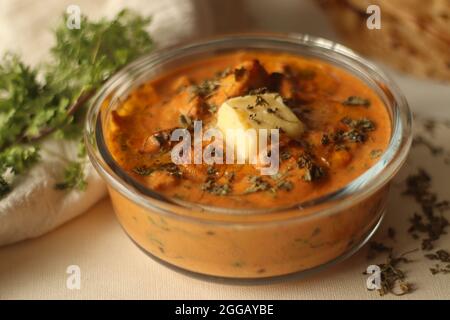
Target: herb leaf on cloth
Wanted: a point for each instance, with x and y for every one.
(51, 99)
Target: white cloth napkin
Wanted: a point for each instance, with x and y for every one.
(35, 207)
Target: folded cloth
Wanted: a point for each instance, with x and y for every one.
(35, 206)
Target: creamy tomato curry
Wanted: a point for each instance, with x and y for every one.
(333, 128)
(347, 128)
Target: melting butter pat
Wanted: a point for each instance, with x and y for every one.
(264, 111)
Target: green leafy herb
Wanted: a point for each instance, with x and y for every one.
(18, 158)
(356, 101)
(14, 161)
(81, 60)
(73, 177)
(94, 52)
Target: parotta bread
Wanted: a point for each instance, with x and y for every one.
(414, 34)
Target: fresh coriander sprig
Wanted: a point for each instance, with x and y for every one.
(81, 60)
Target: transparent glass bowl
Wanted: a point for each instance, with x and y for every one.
(250, 244)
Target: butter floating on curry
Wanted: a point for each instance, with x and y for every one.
(337, 128)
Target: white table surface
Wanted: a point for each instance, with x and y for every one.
(112, 267)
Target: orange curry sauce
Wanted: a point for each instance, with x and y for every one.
(347, 129)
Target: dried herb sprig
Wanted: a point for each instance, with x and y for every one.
(441, 255)
(313, 171)
(356, 101)
(257, 184)
(169, 167)
(439, 269)
(205, 88)
(393, 279)
(216, 188)
(359, 129)
(428, 223)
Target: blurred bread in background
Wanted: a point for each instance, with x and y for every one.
(414, 34)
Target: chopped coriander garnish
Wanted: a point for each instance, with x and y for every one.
(170, 168)
(313, 171)
(257, 184)
(284, 185)
(363, 125)
(143, 170)
(359, 129)
(215, 188)
(205, 88)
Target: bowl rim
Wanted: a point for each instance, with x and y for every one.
(356, 190)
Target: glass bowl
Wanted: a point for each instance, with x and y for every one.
(248, 245)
